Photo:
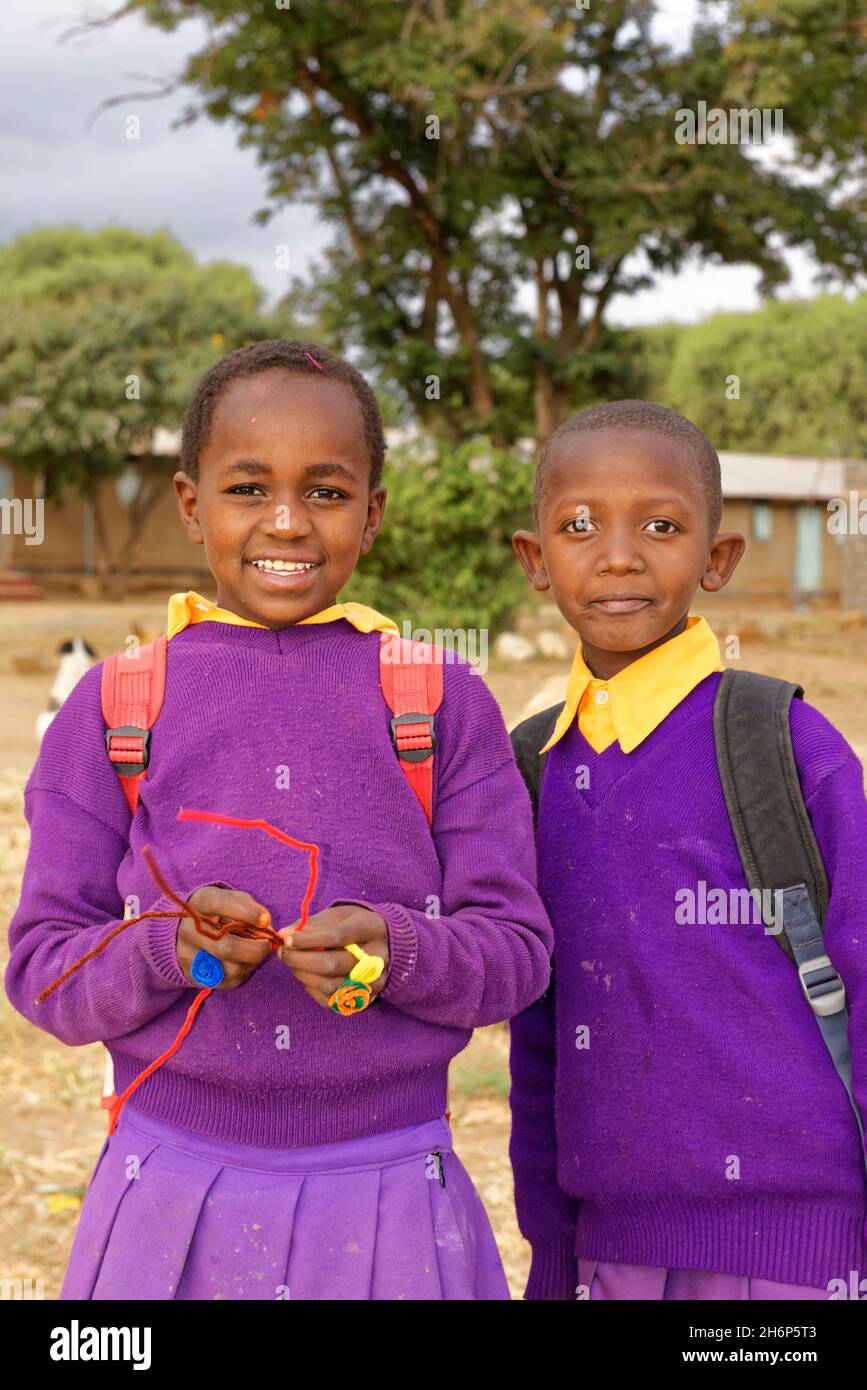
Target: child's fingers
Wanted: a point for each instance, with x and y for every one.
(236, 948)
(229, 903)
(230, 906)
(235, 975)
(323, 931)
(319, 987)
(335, 926)
(331, 965)
(244, 950)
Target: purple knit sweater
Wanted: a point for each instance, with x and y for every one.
(698, 1122)
(241, 704)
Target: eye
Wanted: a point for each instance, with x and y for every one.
(658, 524)
(328, 492)
(579, 525)
(245, 490)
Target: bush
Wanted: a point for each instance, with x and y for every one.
(444, 556)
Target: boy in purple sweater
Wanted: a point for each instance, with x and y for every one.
(282, 1151)
(679, 1129)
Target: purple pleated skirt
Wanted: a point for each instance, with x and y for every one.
(170, 1214)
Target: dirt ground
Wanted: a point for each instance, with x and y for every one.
(51, 1127)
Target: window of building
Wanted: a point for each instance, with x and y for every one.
(763, 521)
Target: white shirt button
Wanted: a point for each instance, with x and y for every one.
(601, 697)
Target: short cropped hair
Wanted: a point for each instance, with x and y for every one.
(649, 418)
(291, 355)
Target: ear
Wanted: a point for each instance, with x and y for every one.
(188, 505)
(375, 509)
(528, 550)
(725, 553)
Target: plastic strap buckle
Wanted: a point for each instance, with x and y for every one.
(825, 991)
(413, 755)
(130, 769)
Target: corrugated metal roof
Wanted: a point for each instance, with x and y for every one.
(781, 477)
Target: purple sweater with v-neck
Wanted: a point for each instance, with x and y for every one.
(673, 1101)
(292, 727)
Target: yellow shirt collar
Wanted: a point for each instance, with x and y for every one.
(644, 693)
(189, 608)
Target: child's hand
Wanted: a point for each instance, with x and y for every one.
(314, 954)
(239, 956)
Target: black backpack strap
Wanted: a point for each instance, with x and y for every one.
(777, 844)
(527, 738)
(762, 788)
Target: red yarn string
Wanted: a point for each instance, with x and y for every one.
(312, 850)
(121, 1100)
(262, 931)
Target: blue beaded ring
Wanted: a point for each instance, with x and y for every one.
(207, 970)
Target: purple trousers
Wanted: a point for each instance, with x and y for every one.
(171, 1215)
(600, 1279)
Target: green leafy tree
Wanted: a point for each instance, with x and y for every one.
(788, 378)
(494, 174)
(443, 558)
(103, 336)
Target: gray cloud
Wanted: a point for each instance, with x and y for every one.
(58, 167)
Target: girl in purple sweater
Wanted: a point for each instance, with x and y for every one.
(283, 1151)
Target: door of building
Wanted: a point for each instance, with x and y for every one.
(809, 535)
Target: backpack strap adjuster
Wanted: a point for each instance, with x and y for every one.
(825, 991)
(413, 736)
(132, 690)
(132, 754)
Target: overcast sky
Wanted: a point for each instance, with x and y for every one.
(195, 180)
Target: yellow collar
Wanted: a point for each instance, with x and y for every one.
(185, 609)
(643, 694)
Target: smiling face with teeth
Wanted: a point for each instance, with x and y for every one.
(283, 503)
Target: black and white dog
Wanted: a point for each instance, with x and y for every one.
(76, 657)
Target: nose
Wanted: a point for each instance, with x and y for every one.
(619, 552)
(288, 519)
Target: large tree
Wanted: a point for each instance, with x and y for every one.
(494, 172)
(103, 336)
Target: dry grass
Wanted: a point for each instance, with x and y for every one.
(52, 1127)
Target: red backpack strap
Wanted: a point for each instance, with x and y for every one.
(133, 687)
(411, 676)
